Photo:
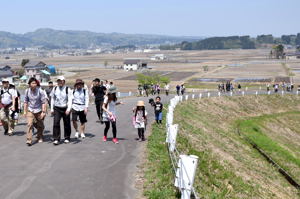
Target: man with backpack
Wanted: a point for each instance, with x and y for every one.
(80, 103)
(61, 103)
(7, 105)
(35, 103)
(99, 91)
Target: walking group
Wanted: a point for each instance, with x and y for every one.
(68, 105)
(153, 89)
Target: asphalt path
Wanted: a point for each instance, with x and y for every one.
(85, 168)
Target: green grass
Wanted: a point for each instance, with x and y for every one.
(253, 128)
(159, 175)
(213, 179)
(209, 124)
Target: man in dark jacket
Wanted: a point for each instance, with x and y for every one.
(99, 91)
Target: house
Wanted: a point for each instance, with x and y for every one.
(134, 64)
(39, 70)
(7, 73)
(295, 55)
(159, 57)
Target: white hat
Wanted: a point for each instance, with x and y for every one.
(61, 78)
(5, 80)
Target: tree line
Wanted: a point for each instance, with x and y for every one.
(235, 42)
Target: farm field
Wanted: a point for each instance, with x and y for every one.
(245, 66)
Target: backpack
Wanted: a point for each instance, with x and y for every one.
(2, 92)
(84, 91)
(67, 91)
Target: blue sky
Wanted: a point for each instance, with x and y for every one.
(168, 17)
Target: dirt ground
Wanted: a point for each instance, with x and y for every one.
(220, 63)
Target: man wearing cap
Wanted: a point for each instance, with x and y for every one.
(80, 103)
(99, 92)
(7, 104)
(61, 103)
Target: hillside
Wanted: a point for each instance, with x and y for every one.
(50, 38)
(216, 130)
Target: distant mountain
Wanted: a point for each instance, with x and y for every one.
(50, 38)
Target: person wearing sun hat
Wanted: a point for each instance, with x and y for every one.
(140, 119)
(7, 104)
(61, 104)
(109, 113)
(80, 104)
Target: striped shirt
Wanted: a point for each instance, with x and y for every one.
(35, 99)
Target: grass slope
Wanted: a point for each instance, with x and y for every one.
(228, 166)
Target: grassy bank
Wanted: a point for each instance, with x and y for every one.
(159, 176)
(228, 166)
(278, 145)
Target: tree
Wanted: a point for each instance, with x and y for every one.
(151, 78)
(205, 68)
(286, 39)
(105, 63)
(297, 41)
(24, 62)
(278, 51)
(265, 39)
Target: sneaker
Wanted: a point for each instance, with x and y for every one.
(140, 139)
(115, 140)
(55, 142)
(40, 141)
(66, 141)
(82, 135)
(104, 138)
(10, 133)
(77, 135)
(28, 143)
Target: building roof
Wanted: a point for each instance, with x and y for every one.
(132, 61)
(7, 73)
(35, 65)
(45, 72)
(293, 54)
(5, 67)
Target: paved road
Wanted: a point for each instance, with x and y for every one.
(83, 169)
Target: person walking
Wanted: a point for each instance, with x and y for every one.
(35, 103)
(15, 114)
(48, 91)
(182, 89)
(80, 104)
(99, 92)
(158, 107)
(61, 104)
(140, 119)
(109, 113)
(167, 89)
(178, 90)
(7, 106)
